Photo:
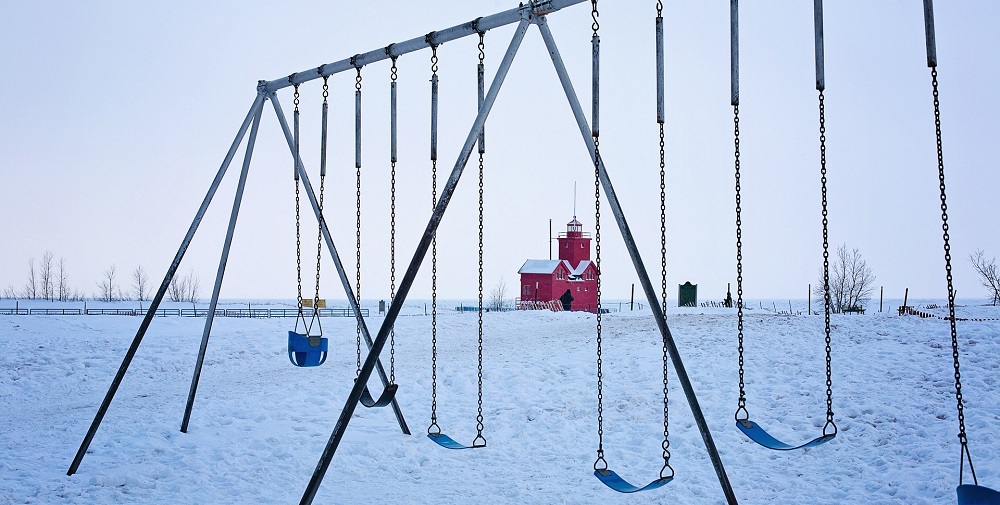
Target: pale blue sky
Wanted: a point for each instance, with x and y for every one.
(118, 114)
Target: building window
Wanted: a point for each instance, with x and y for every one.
(566, 246)
(526, 290)
(581, 245)
(560, 275)
(590, 275)
(586, 289)
(578, 289)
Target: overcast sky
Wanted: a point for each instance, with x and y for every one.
(119, 113)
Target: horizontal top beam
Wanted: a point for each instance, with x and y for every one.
(479, 25)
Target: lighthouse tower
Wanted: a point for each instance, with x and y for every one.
(544, 281)
(574, 244)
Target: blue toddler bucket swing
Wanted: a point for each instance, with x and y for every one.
(306, 349)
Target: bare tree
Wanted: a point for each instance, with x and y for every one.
(988, 273)
(46, 275)
(851, 280)
(107, 285)
(177, 289)
(31, 285)
(498, 296)
(192, 287)
(62, 284)
(140, 284)
(9, 292)
(184, 289)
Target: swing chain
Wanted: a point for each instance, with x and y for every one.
(962, 436)
(826, 269)
(433, 429)
(741, 411)
(663, 275)
(357, 166)
(659, 8)
(392, 242)
(322, 181)
(298, 235)
(600, 464)
(480, 440)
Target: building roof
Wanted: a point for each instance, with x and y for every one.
(541, 266)
(581, 268)
(549, 266)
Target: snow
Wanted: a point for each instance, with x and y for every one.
(259, 424)
(541, 266)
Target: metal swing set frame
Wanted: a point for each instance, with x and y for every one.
(531, 13)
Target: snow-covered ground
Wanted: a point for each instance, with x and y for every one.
(260, 424)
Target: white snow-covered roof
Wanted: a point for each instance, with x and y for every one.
(549, 266)
(540, 266)
(582, 267)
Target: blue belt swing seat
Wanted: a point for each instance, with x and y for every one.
(749, 428)
(967, 494)
(434, 430)
(601, 471)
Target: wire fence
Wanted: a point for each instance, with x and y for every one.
(192, 312)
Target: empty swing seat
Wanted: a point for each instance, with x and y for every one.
(450, 443)
(757, 434)
(612, 480)
(306, 351)
(977, 495)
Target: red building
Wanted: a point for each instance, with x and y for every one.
(548, 280)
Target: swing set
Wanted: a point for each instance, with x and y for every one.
(309, 348)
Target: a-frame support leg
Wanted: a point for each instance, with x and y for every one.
(311, 195)
(210, 317)
(155, 303)
(411, 272)
(640, 269)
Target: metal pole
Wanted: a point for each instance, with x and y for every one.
(483, 24)
(411, 272)
(659, 70)
(818, 23)
(647, 286)
(929, 33)
(151, 312)
(734, 51)
(210, 318)
(311, 196)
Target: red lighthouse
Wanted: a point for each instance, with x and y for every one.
(548, 280)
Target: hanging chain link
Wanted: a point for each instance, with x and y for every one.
(480, 440)
(322, 185)
(600, 463)
(357, 166)
(741, 410)
(298, 230)
(962, 436)
(434, 429)
(830, 425)
(392, 244)
(663, 297)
